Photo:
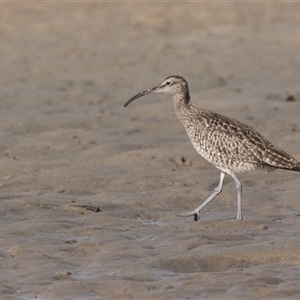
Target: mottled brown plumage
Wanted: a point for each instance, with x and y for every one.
(231, 146)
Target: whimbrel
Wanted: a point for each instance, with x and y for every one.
(231, 146)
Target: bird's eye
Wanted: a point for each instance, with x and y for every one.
(168, 82)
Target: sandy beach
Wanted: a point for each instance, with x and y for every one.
(90, 190)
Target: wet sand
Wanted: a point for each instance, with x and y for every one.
(90, 190)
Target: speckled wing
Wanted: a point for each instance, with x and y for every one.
(235, 147)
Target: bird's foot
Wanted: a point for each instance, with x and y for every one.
(194, 213)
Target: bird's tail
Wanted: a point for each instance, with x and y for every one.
(297, 168)
(276, 158)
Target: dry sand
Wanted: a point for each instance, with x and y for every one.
(90, 190)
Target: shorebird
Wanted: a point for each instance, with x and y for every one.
(231, 146)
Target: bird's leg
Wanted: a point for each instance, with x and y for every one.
(239, 190)
(217, 191)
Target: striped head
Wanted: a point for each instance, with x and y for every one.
(174, 85)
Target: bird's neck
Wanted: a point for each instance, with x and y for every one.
(182, 104)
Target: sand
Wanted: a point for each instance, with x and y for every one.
(90, 190)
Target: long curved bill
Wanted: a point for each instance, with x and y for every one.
(146, 92)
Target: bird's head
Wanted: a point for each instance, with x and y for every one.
(174, 85)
